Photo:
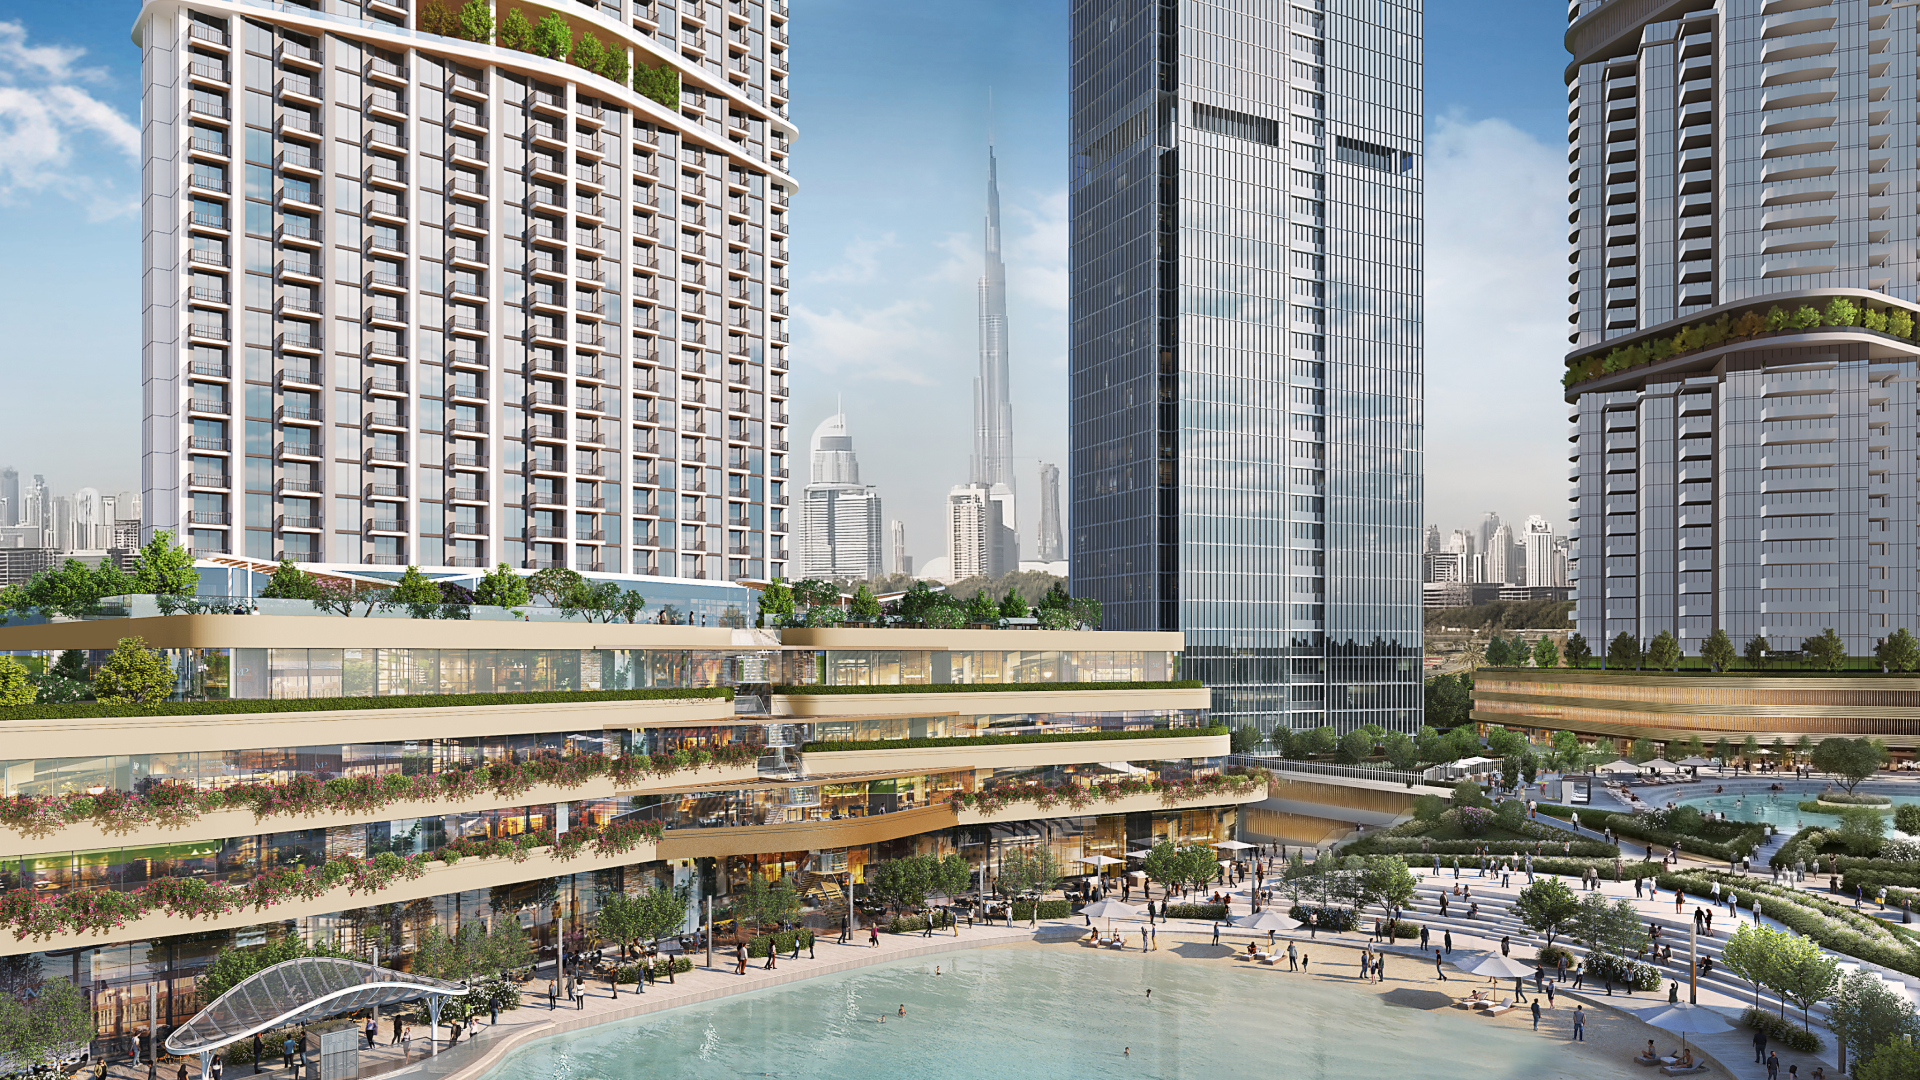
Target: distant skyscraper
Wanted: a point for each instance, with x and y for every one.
(902, 562)
(1539, 541)
(992, 407)
(839, 516)
(10, 495)
(91, 525)
(1462, 541)
(1444, 566)
(1500, 567)
(1433, 539)
(1489, 522)
(977, 539)
(1051, 547)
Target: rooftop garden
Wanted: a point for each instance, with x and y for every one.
(816, 603)
(1823, 654)
(1744, 324)
(1027, 739)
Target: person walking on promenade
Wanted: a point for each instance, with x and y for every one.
(553, 994)
(1579, 975)
(740, 958)
(1216, 933)
(1579, 1024)
(1424, 933)
(1536, 1015)
(873, 937)
(1759, 1045)
(1293, 963)
(1773, 1067)
(1447, 941)
(1439, 971)
(1519, 989)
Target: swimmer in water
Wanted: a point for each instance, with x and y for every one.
(1126, 1051)
(1149, 993)
(936, 969)
(903, 1010)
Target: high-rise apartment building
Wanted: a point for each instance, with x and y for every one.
(1245, 345)
(839, 526)
(1433, 539)
(1052, 548)
(10, 496)
(979, 544)
(1499, 555)
(1483, 535)
(1742, 300)
(1538, 541)
(897, 535)
(413, 299)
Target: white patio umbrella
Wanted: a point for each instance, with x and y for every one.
(1100, 860)
(1494, 966)
(1138, 854)
(1659, 764)
(1233, 845)
(1620, 766)
(1684, 1020)
(1264, 921)
(1109, 910)
(1696, 762)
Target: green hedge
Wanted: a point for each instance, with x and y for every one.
(983, 688)
(784, 940)
(1629, 825)
(1006, 740)
(1468, 851)
(1835, 926)
(1196, 911)
(1645, 977)
(914, 924)
(1049, 909)
(90, 710)
(1786, 1032)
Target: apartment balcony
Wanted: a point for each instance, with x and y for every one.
(546, 498)
(396, 526)
(466, 494)
(300, 451)
(212, 481)
(384, 491)
(302, 376)
(295, 415)
(468, 118)
(296, 485)
(465, 185)
(386, 455)
(297, 523)
(468, 528)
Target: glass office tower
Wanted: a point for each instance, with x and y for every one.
(1246, 345)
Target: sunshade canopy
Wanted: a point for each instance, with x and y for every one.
(299, 992)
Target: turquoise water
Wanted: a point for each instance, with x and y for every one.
(1013, 1014)
(1782, 810)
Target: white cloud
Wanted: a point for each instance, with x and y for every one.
(859, 260)
(1037, 251)
(46, 118)
(892, 343)
(1495, 324)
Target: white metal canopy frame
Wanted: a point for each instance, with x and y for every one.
(301, 991)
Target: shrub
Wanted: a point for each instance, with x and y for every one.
(1474, 820)
(104, 710)
(1844, 798)
(1197, 911)
(1643, 977)
(1429, 807)
(784, 939)
(1783, 1031)
(1049, 909)
(1553, 954)
(1336, 919)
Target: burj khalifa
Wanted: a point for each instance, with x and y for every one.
(990, 486)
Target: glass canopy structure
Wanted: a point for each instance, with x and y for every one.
(299, 992)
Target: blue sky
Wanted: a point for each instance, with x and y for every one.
(892, 100)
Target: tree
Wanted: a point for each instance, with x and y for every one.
(1864, 1014)
(613, 64)
(290, 582)
(902, 883)
(1895, 1060)
(1317, 742)
(1384, 880)
(589, 52)
(1610, 929)
(134, 675)
(1664, 653)
(42, 1029)
(1463, 741)
(1722, 751)
(1244, 739)
(74, 590)
(341, 597)
(1624, 653)
(1356, 746)
(554, 584)
(15, 687)
(1749, 748)
(1400, 750)
(1749, 954)
(164, 568)
(515, 31)
(1024, 869)
(1849, 760)
(1547, 907)
(982, 608)
(552, 37)
(1825, 650)
(1449, 700)
(1282, 739)
(1013, 606)
(1898, 651)
(1906, 818)
(416, 592)
(1468, 793)
(231, 966)
(776, 601)
(1578, 651)
(500, 586)
(815, 592)
(1545, 653)
(662, 84)
(863, 607)
(1497, 653)
(1717, 650)
(1803, 974)
(67, 681)
(663, 911)
(621, 920)
(1502, 742)
(762, 903)
(1756, 651)
(1863, 830)
(436, 19)
(476, 21)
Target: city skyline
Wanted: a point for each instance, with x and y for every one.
(885, 275)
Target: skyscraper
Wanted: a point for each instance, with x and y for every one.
(415, 299)
(992, 461)
(10, 496)
(1489, 524)
(897, 533)
(1538, 540)
(1245, 346)
(1051, 548)
(1433, 538)
(1500, 563)
(1741, 321)
(977, 536)
(839, 527)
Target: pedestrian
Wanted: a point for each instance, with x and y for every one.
(553, 994)
(740, 958)
(773, 953)
(1773, 1067)
(1519, 989)
(1579, 1024)
(1438, 971)
(1536, 1015)
(1560, 967)
(1293, 959)
(1759, 1045)
(873, 937)
(286, 1053)
(1579, 975)
(1549, 995)
(1607, 976)
(1539, 977)
(1216, 933)
(1446, 940)
(1424, 933)
(1505, 941)
(1304, 961)
(136, 1049)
